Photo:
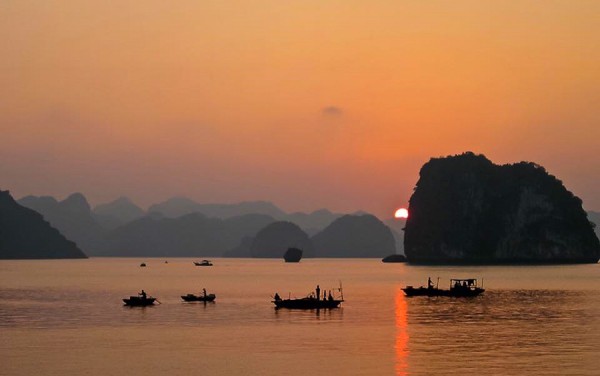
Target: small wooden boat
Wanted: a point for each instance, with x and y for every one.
(458, 288)
(312, 301)
(143, 265)
(203, 263)
(139, 301)
(199, 297)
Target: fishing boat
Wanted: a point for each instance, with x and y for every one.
(204, 297)
(143, 265)
(314, 300)
(141, 300)
(458, 288)
(203, 263)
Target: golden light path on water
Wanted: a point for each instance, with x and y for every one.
(401, 345)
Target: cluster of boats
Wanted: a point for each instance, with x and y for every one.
(326, 299)
(313, 301)
(142, 299)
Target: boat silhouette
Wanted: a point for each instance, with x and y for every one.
(311, 301)
(140, 300)
(203, 297)
(203, 263)
(458, 288)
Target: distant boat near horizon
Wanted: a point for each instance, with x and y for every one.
(203, 263)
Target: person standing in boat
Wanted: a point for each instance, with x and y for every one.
(429, 283)
(318, 290)
(143, 294)
(277, 297)
(204, 292)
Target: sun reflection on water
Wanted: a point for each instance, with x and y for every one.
(401, 344)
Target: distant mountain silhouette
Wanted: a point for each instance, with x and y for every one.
(242, 250)
(313, 222)
(465, 209)
(275, 239)
(25, 235)
(117, 213)
(355, 236)
(72, 217)
(191, 235)
(121, 228)
(178, 206)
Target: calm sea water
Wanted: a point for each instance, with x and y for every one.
(65, 317)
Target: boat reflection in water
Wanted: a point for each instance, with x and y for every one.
(401, 345)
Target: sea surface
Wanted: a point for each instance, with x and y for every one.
(66, 317)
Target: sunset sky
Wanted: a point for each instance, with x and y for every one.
(308, 104)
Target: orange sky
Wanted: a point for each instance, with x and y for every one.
(308, 104)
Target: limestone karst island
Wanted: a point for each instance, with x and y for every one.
(467, 210)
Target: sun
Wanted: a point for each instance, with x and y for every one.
(401, 213)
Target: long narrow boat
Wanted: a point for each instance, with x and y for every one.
(458, 288)
(312, 301)
(307, 303)
(199, 297)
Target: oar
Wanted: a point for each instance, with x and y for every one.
(158, 301)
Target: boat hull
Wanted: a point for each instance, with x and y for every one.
(198, 298)
(135, 301)
(307, 303)
(457, 293)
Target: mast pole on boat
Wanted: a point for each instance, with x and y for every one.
(341, 290)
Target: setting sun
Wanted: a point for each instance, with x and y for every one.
(401, 213)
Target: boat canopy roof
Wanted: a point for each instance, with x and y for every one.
(470, 281)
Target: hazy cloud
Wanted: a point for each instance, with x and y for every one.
(332, 111)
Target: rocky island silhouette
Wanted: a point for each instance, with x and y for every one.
(467, 210)
(24, 234)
